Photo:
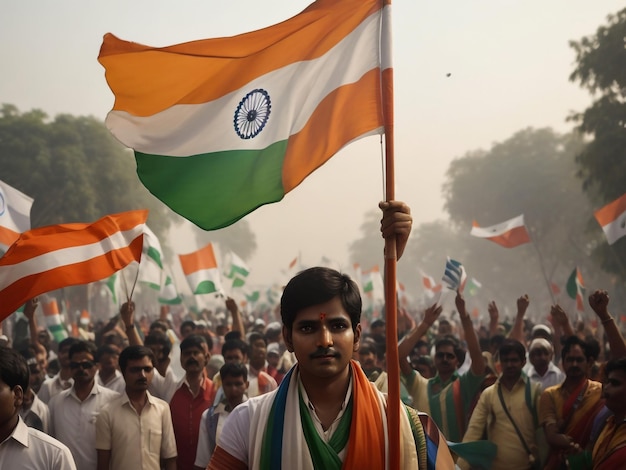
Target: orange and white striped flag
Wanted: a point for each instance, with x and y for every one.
(56, 256)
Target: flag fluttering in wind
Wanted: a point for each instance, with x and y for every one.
(454, 275)
(53, 319)
(169, 294)
(200, 269)
(151, 265)
(612, 218)
(508, 234)
(430, 285)
(241, 121)
(49, 258)
(372, 282)
(576, 289)
(237, 270)
(14, 215)
(473, 286)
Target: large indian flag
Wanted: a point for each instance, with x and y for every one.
(223, 126)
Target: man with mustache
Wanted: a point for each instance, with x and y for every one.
(194, 395)
(567, 411)
(508, 411)
(134, 432)
(326, 413)
(73, 412)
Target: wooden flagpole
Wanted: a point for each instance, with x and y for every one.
(393, 363)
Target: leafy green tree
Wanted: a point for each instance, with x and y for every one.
(601, 68)
(73, 169)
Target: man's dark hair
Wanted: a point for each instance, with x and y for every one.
(234, 369)
(194, 341)
(615, 365)
(255, 336)
(186, 323)
(83, 346)
(594, 347)
(132, 353)
(449, 340)
(367, 347)
(509, 346)
(316, 286)
(106, 349)
(158, 338)
(235, 334)
(570, 342)
(159, 324)
(496, 341)
(13, 368)
(233, 344)
(68, 342)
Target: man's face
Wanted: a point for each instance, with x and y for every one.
(138, 374)
(614, 391)
(42, 359)
(10, 401)
(540, 358)
(273, 359)
(258, 351)
(512, 366)
(323, 340)
(575, 363)
(108, 362)
(194, 358)
(235, 356)
(64, 356)
(83, 367)
(186, 331)
(446, 361)
(157, 349)
(444, 329)
(367, 359)
(36, 375)
(234, 388)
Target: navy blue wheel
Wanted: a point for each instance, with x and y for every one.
(252, 113)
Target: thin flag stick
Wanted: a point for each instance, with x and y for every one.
(543, 269)
(393, 363)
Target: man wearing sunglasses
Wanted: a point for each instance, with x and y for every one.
(73, 412)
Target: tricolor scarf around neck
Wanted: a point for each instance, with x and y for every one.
(366, 443)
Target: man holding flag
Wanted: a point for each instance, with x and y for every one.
(326, 414)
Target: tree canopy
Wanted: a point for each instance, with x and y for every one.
(601, 68)
(532, 173)
(73, 169)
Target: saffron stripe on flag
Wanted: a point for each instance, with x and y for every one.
(174, 131)
(38, 264)
(320, 27)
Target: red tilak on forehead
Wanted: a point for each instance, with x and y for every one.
(322, 316)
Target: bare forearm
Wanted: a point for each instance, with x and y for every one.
(473, 347)
(615, 338)
(517, 332)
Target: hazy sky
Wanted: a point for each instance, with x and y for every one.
(509, 63)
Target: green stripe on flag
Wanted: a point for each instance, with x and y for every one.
(247, 179)
(205, 287)
(156, 256)
(58, 332)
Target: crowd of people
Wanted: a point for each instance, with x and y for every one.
(309, 391)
